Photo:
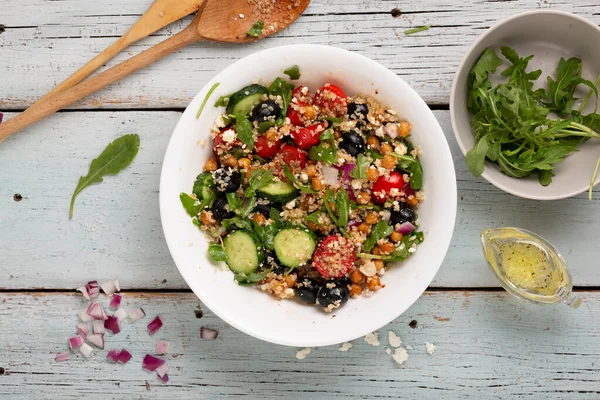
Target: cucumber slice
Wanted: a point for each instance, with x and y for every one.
(294, 247)
(279, 192)
(244, 253)
(242, 101)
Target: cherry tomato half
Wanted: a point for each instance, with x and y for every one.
(334, 256)
(309, 136)
(263, 149)
(384, 187)
(292, 154)
(299, 99)
(332, 100)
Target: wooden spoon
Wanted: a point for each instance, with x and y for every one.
(219, 20)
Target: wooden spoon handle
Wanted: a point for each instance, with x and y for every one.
(43, 109)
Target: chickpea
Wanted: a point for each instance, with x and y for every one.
(386, 148)
(259, 219)
(404, 129)
(356, 276)
(290, 280)
(378, 264)
(337, 135)
(311, 225)
(206, 218)
(386, 248)
(317, 183)
(211, 165)
(375, 251)
(363, 198)
(229, 161)
(374, 283)
(372, 218)
(396, 237)
(355, 290)
(364, 228)
(389, 162)
(412, 201)
(244, 163)
(311, 171)
(271, 135)
(373, 143)
(310, 112)
(372, 174)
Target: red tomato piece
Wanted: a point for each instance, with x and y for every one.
(292, 154)
(334, 256)
(383, 188)
(264, 149)
(299, 99)
(294, 117)
(309, 136)
(332, 100)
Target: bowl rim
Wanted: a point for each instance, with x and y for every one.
(460, 70)
(178, 259)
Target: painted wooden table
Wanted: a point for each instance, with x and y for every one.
(489, 345)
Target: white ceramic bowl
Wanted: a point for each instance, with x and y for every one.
(548, 35)
(289, 322)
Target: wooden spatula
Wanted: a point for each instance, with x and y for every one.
(219, 20)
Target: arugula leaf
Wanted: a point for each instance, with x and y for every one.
(360, 169)
(263, 126)
(259, 178)
(189, 203)
(237, 221)
(545, 177)
(210, 92)
(342, 208)
(487, 64)
(416, 30)
(274, 215)
(314, 217)
(256, 29)
(280, 87)
(251, 278)
(266, 233)
(293, 72)
(216, 252)
(568, 78)
(303, 188)
(116, 157)
(244, 130)
(416, 175)
(223, 101)
(379, 231)
(242, 206)
(476, 156)
(325, 151)
(374, 154)
(334, 120)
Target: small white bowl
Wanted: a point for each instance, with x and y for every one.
(289, 322)
(548, 35)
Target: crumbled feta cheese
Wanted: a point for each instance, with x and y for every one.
(345, 346)
(430, 348)
(394, 339)
(291, 204)
(301, 354)
(304, 177)
(388, 351)
(356, 184)
(409, 347)
(229, 135)
(400, 355)
(372, 339)
(401, 149)
(219, 122)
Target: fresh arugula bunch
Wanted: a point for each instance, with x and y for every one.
(511, 120)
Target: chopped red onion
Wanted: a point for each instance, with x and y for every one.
(115, 302)
(84, 316)
(120, 314)
(75, 342)
(136, 313)
(350, 192)
(353, 223)
(112, 325)
(124, 356)
(161, 347)
(330, 176)
(83, 326)
(109, 287)
(97, 339)
(86, 350)
(96, 311)
(150, 363)
(92, 289)
(98, 326)
(82, 334)
(208, 334)
(164, 378)
(113, 355)
(405, 228)
(63, 356)
(162, 370)
(391, 129)
(84, 291)
(347, 169)
(155, 325)
(1, 117)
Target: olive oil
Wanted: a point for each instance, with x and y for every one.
(528, 266)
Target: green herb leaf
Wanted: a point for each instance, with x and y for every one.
(416, 176)
(416, 30)
(486, 65)
(116, 157)
(293, 72)
(266, 233)
(325, 151)
(476, 157)
(280, 87)
(259, 178)
(189, 203)
(379, 231)
(244, 130)
(263, 126)
(334, 120)
(342, 206)
(251, 278)
(545, 177)
(256, 29)
(303, 188)
(314, 217)
(360, 169)
(210, 92)
(374, 154)
(568, 78)
(223, 101)
(216, 252)
(237, 222)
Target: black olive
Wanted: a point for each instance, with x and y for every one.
(333, 294)
(271, 261)
(353, 143)
(263, 209)
(266, 110)
(345, 281)
(403, 215)
(358, 111)
(307, 290)
(227, 179)
(220, 209)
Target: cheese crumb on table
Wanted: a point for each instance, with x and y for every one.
(345, 346)
(409, 347)
(388, 351)
(394, 339)
(400, 355)
(372, 339)
(301, 354)
(430, 348)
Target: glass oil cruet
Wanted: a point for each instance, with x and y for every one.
(528, 266)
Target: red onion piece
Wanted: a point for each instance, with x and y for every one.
(115, 302)
(98, 326)
(161, 347)
(164, 378)
(92, 289)
(155, 325)
(97, 339)
(96, 311)
(347, 169)
(136, 313)
(162, 370)
(62, 356)
(85, 350)
(391, 129)
(208, 334)
(330, 176)
(405, 228)
(150, 363)
(109, 287)
(112, 325)
(1, 117)
(84, 316)
(120, 314)
(83, 326)
(353, 223)
(113, 355)
(350, 192)
(75, 342)
(84, 291)
(124, 356)
(82, 334)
